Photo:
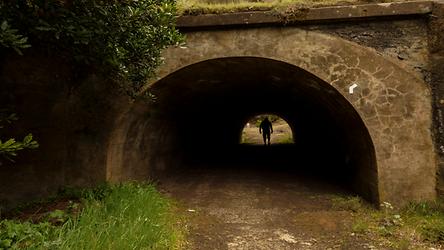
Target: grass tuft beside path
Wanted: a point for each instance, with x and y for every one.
(419, 225)
(127, 216)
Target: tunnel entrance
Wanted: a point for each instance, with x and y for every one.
(200, 111)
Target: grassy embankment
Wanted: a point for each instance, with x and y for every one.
(197, 7)
(128, 216)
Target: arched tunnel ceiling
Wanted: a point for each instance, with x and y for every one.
(248, 79)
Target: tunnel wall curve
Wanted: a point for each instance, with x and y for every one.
(394, 105)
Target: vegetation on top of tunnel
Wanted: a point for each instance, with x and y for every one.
(125, 216)
(418, 225)
(284, 8)
(121, 39)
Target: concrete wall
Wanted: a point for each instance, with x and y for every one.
(33, 89)
(436, 80)
(69, 113)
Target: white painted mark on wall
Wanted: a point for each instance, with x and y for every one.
(352, 87)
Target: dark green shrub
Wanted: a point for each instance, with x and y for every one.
(121, 38)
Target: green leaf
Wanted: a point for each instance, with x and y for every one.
(6, 243)
(44, 28)
(4, 25)
(9, 143)
(27, 139)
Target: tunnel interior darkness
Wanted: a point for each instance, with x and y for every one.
(200, 111)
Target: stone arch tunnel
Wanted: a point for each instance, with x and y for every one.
(202, 108)
(380, 134)
(383, 140)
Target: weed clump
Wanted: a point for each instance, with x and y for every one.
(419, 225)
(26, 235)
(348, 203)
(428, 217)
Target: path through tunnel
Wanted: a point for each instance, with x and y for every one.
(200, 111)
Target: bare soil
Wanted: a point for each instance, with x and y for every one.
(37, 212)
(248, 208)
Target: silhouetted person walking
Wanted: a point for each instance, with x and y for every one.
(266, 129)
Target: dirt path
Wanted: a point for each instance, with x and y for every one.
(239, 208)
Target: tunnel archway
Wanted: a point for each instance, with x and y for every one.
(393, 102)
(200, 109)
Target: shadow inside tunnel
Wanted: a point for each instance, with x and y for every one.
(278, 163)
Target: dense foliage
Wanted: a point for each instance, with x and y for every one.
(121, 38)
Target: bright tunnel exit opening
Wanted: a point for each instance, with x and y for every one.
(254, 134)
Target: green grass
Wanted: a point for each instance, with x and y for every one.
(428, 219)
(197, 7)
(351, 203)
(415, 226)
(360, 226)
(286, 140)
(127, 216)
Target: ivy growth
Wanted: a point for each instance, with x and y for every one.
(122, 39)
